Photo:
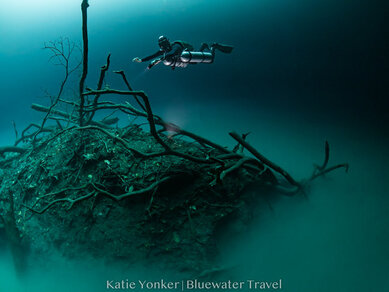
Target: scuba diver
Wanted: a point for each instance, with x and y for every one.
(180, 53)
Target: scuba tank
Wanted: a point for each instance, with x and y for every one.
(174, 62)
(188, 57)
(196, 57)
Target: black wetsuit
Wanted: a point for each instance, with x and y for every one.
(176, 50)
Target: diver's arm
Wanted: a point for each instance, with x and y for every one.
(155, 62)
(175, 51)
(157, 54)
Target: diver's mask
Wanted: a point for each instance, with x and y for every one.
(164, 43)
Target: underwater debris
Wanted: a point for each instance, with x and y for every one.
(87, 188)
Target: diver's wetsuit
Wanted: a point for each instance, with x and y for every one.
(176, 50)
(172, 54)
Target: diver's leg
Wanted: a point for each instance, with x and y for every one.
(204, 47)
(222, 48)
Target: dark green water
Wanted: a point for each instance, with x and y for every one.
(301, 73)
(336, 240)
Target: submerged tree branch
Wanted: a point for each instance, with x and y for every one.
(264, 160)
(322, 170)
(84, 7)
(12, 149)
(58, 49)
(121, 73)
(99, 86)
(97, 190)
(104, 123)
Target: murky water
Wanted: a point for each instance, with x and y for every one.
(335, 239)
(301, 73)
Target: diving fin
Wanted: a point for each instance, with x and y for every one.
(223, 48)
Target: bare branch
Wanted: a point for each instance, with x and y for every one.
(91, 194)
(58, 49)
(15, 130)
(71, 118)
(132, 193)
(84, 7)
(99, 86)
(121, 73)
(12, 149)
(264, 160)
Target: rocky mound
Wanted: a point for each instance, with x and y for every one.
(85, 194)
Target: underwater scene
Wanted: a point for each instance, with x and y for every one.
(192, 145)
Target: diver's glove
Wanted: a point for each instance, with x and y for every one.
(137, 59)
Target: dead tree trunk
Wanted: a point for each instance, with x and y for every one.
(84, 7)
